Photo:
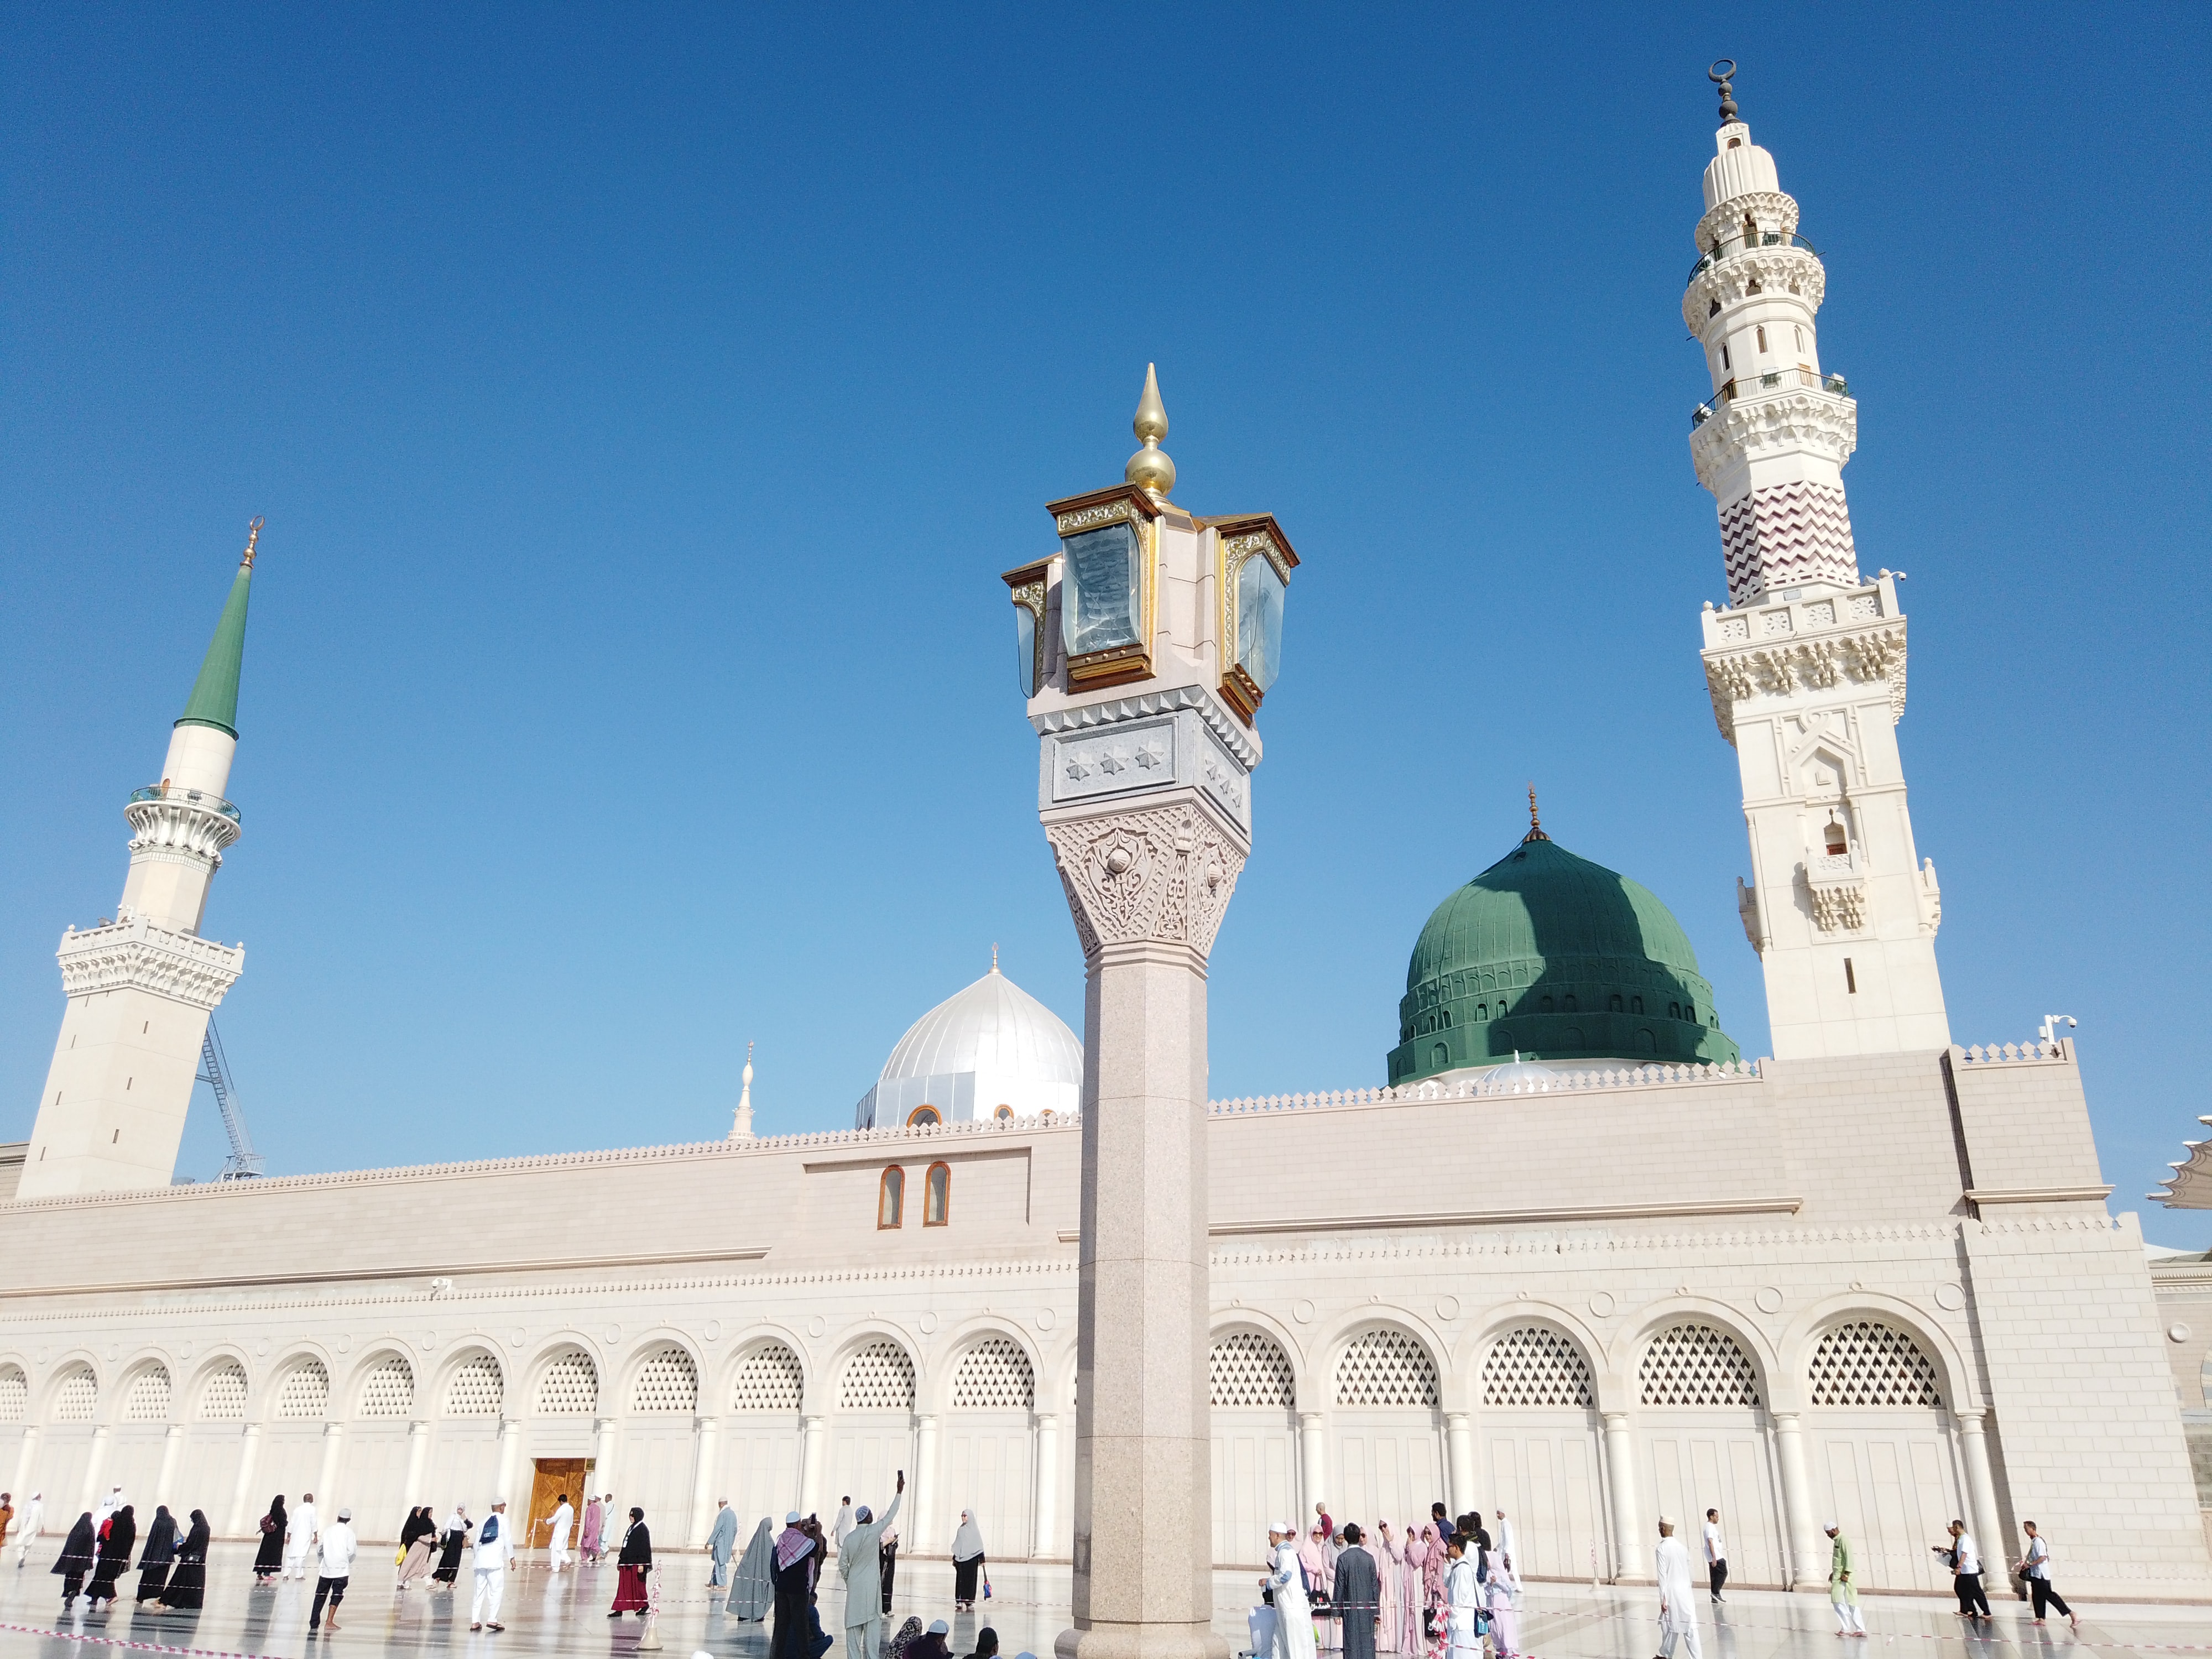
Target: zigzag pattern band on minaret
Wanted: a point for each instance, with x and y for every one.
(1786, 535)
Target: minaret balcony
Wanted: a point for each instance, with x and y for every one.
(194, 822)
(1728, 248)
(1753, 386)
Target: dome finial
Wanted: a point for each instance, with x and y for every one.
(1721, 72)
(1150, 468)
(741, 1126)
(1535, 823)
(253, 536)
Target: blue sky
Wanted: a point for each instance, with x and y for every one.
(644, 402)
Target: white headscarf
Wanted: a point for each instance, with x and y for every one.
(968, 1542)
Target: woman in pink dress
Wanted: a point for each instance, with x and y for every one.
(1390, 1568)
(595, 1521)
(1313, 1556)
(1432, 1578)
(1415, 1596)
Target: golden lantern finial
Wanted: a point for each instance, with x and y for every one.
(1535, 823)
(253, 536)
(1149, 469)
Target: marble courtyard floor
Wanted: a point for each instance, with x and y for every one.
(566, 1614)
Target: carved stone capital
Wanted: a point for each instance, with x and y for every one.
(139, 954)
(1160, 873)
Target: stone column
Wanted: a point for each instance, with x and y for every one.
(605, 1432)
(1629, 1530)
(812, 1445)
(27, 1459)
(704, 1472)
(1982, 1495)
(1148, 887)
(510, 1455)
(172, 1446)
(327, 1475)
(1044, 1527)
(1459, 1449)
(418, 1460)
(1797, 1505)
(241, 1495)
(95, 1466)
(1313, 1481)
(922, 1486)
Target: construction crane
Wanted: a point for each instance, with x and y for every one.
(244, 1164)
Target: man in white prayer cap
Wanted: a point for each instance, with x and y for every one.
(861, 1565)
(1678, 1604)
(1286, 1579)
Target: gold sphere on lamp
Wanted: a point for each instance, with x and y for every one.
(1149, 469)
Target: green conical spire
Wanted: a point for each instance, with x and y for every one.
(214, 701)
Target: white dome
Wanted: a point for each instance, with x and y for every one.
(992, 1045)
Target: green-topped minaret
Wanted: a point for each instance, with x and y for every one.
(1548, 957)
(140, 988)
(214, 701)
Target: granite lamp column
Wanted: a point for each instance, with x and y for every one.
(1143, 646)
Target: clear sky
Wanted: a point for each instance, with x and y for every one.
(644, 400)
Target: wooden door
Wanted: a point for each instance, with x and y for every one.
(553, 1477)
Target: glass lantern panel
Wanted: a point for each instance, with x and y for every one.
(1260, 621)
(1025, 649)
(1099, 599)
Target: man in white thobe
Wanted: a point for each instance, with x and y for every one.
(108, 1505)
(720, 1542)
(859, 1564)
(1505, 1542)
(556, 1546)
(842, 1524)
(1294, 1631)
(1678, 1602)
(299, 1533)
(1462, 1602)
(33, 1518)
(493, 1557)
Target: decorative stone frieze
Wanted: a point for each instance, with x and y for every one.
(1825, 423)
(176, 824)
(1164, 873)
(1773, 210)
(1750, 274)
(1863, 656)
(135, 953)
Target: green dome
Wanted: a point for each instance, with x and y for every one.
(1560, 959)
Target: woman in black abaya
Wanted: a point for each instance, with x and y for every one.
(269, 1560)
(76, 1560)
(114, 1555)
(154, 1559)
(188, 1583)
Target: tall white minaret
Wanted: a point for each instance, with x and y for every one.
(141, 987)
(1806, 664)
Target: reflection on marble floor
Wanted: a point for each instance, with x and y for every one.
(566, 1614)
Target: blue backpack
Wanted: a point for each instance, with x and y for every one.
(490, 1533)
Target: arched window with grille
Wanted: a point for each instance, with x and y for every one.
(770, 1380)
(14, 1393)
(1864, 1362)
(476, 1389)
(994, 1375)
(891, 1199)
(569, 1386)
(388, 1390)
(1386, 1366)
(76, 1395)
(304, 1394)
(222, 1396)
(668, 1382)
(1535, 1366)
(1693, 1364)
(936, 1195)
(879, 1378)
(147, 1401)
(1249, 1368)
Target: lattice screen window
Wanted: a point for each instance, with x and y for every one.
(78, 1394)
(994, 1376)
(878, 1378)
(389, 1389)
(1386, 1367)
(148, 1398)
(667, 1381)
(1697, 1365)
(14, 1394)
(571, 1387)
(1867, 1363)
(305, 1391)
(222, 1396)
(768, 1380)
(477, 1388)
(1535, 1366)
(1249, 1368)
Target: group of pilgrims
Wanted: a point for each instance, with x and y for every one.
(1436, 1588)
(172, 1562)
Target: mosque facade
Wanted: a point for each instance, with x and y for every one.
(1871, 1278)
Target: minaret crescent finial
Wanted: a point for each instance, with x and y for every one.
(253, 537)
(1721, 72)
(1150, 468)
(1535, 823)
